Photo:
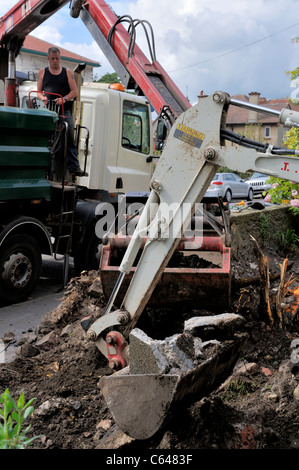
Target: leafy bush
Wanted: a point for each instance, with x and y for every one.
(12, 417)
(283, 190)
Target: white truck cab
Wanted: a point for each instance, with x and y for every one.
(120, 147)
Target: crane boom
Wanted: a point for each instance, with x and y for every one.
(23, 18)
(146, 76)
(136, 71)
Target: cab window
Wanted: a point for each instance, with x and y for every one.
(136, 127)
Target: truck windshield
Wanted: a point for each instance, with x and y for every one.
(136, 127)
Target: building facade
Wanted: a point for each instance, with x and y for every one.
(258, 126)
(255, 125)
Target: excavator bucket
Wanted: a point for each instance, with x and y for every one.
(198, 272)
(141, 404)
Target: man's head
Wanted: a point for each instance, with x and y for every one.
(54, 57)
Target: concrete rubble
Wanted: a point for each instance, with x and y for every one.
(180, 367)
(180, 352)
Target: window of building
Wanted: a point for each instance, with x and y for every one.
(267, 132)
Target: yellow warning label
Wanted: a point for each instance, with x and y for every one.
(189, 135)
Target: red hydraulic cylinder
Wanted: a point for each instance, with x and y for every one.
(10, 92)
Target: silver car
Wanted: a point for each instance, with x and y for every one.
(259, 183)
(229, 186)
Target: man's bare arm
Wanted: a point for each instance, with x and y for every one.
(72, 84)
(40, 87)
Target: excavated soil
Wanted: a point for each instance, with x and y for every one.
(255, 408)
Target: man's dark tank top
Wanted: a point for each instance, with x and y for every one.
(56, 84)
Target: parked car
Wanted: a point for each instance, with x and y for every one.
(259, 183)
(229, 186)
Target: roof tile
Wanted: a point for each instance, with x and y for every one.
(238, 115)
(32, 43)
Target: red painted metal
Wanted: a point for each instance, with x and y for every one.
(10, 92)
(206, 287)
(47, 93)
(116, 350)
(25, 16)
(138, 65)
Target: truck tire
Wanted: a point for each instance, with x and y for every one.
(88, 255)
(20, 268)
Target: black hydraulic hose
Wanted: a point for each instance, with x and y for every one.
(124, 19)
(249, 143)
(242, 140)
(132, 31)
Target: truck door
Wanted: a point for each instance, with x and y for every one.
(135, 147)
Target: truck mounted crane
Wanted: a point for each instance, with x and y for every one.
(111, 170)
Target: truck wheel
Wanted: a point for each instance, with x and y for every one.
(88, 256)
(20, 267)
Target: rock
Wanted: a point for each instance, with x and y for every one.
(198, 348)
(101, 428)
(67, 330)
(267, 372)
(148, 356)
(28, 337)
(47, 342)
(104, 424)
(8, 337)
(115, 439)
(167, 441)
(95, 290)
(211, 342)
(294, 444)
(296, 393)
(248, 368)
(180, 352)
(271, 396)
(210, 326)
(27, 350)
(48, 406)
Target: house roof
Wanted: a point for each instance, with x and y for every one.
(237, 115)
(34, 45)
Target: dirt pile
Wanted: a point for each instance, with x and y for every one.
(256, 407)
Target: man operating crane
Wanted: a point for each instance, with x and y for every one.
(57, 80)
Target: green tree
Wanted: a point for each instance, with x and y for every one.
(108, 78)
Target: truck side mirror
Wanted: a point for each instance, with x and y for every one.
(161, 134)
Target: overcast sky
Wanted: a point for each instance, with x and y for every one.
(208, 45)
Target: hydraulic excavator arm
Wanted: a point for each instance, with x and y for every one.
(194, 150)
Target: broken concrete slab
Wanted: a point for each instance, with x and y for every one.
(213, 326)
(142, 403)
(114, 439)
(146, 354)
(149, 356)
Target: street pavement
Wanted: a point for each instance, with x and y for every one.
(26, 316)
